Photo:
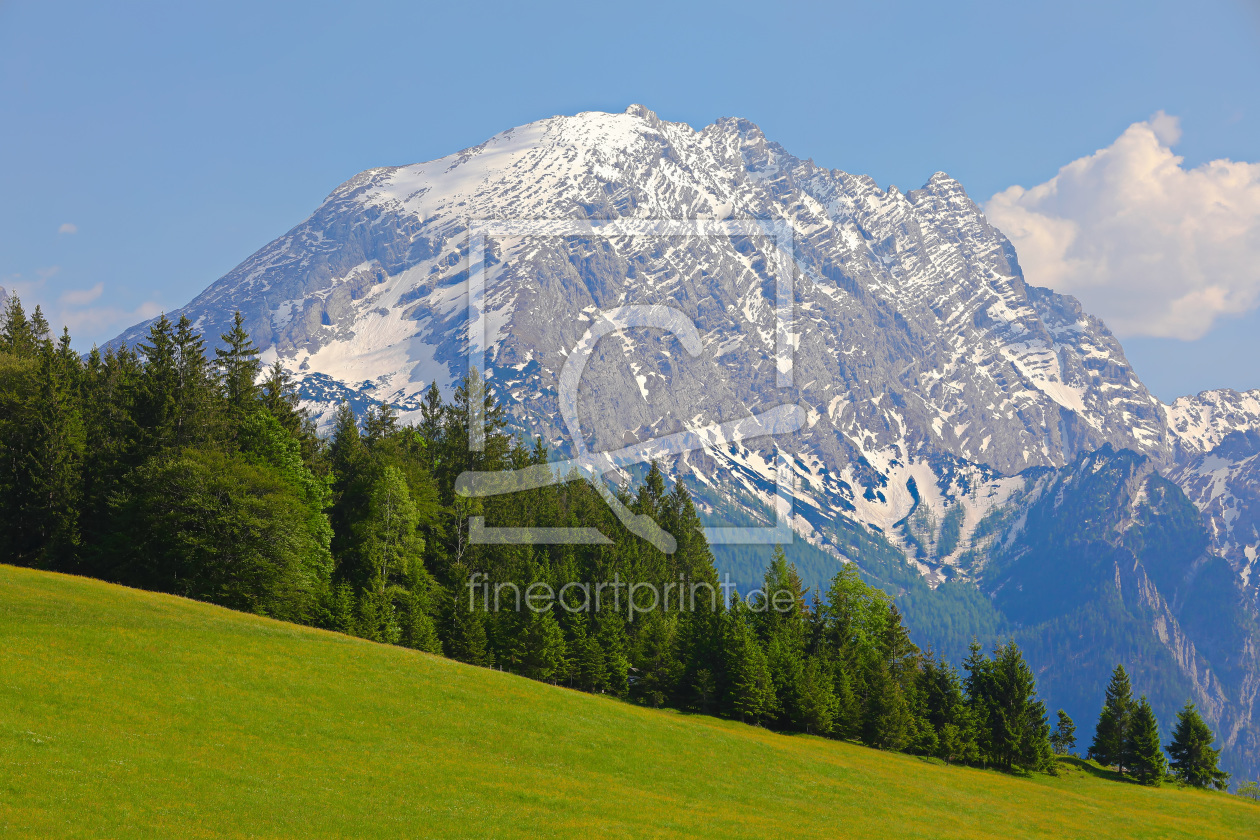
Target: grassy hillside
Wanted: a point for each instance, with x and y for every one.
(131, 714)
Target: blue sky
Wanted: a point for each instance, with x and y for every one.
(147, 148)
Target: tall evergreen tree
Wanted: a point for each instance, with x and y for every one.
(887, 721)
(238, 367)
(656, 659)
(465, 637)
(56, 457)
(1113, 722)
(1193, 758)
(193, 389)
(158, 390)
(1142, 753)
(946, 711)
(17, 337)
(750, 688)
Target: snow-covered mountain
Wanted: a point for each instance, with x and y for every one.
(1217, 435)
(928, 368)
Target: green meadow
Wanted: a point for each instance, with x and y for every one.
(132, 714)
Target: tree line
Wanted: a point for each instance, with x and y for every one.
(173, 468)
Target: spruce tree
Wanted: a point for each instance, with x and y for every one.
(887, 721)
(1142, 753)
(39, 328)
(281, 399)
(419, 629)
(158, 387)
(56, 457)
(1019, 731)
(945, 710)
(610, 632)
(656, 659)
(238, 367)
(540, 652)
(193, 388)
(1113, 722)
(848, 718)
(1064, 738)
(1193, 758)
(589, 670)
(465, 637)
(16, 335)
(815, 704)
(750, 690)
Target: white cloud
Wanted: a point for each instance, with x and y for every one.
(88, 324)
(68, 228)
(81, 297)
(100, 320)
(1151, 247)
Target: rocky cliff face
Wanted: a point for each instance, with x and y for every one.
(1216, 437)
(920, 354)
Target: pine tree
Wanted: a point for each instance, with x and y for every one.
(238, 367)
(39, 328)
(656, 660)
(465, 636)
(750, 689)
(589, 669)
(1193, 759)
(1019, 732)
(1142, 753)
(280, 398)
(1064, 738)
(158, 387)
(193, 387)
(56, 457)
(887, 721)
(815, 702)
(1113, 722)
(16, 335)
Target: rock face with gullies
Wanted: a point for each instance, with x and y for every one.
(916, 340)
(1217, 464)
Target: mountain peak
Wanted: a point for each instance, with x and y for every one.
(917, 345)
(642, 112)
